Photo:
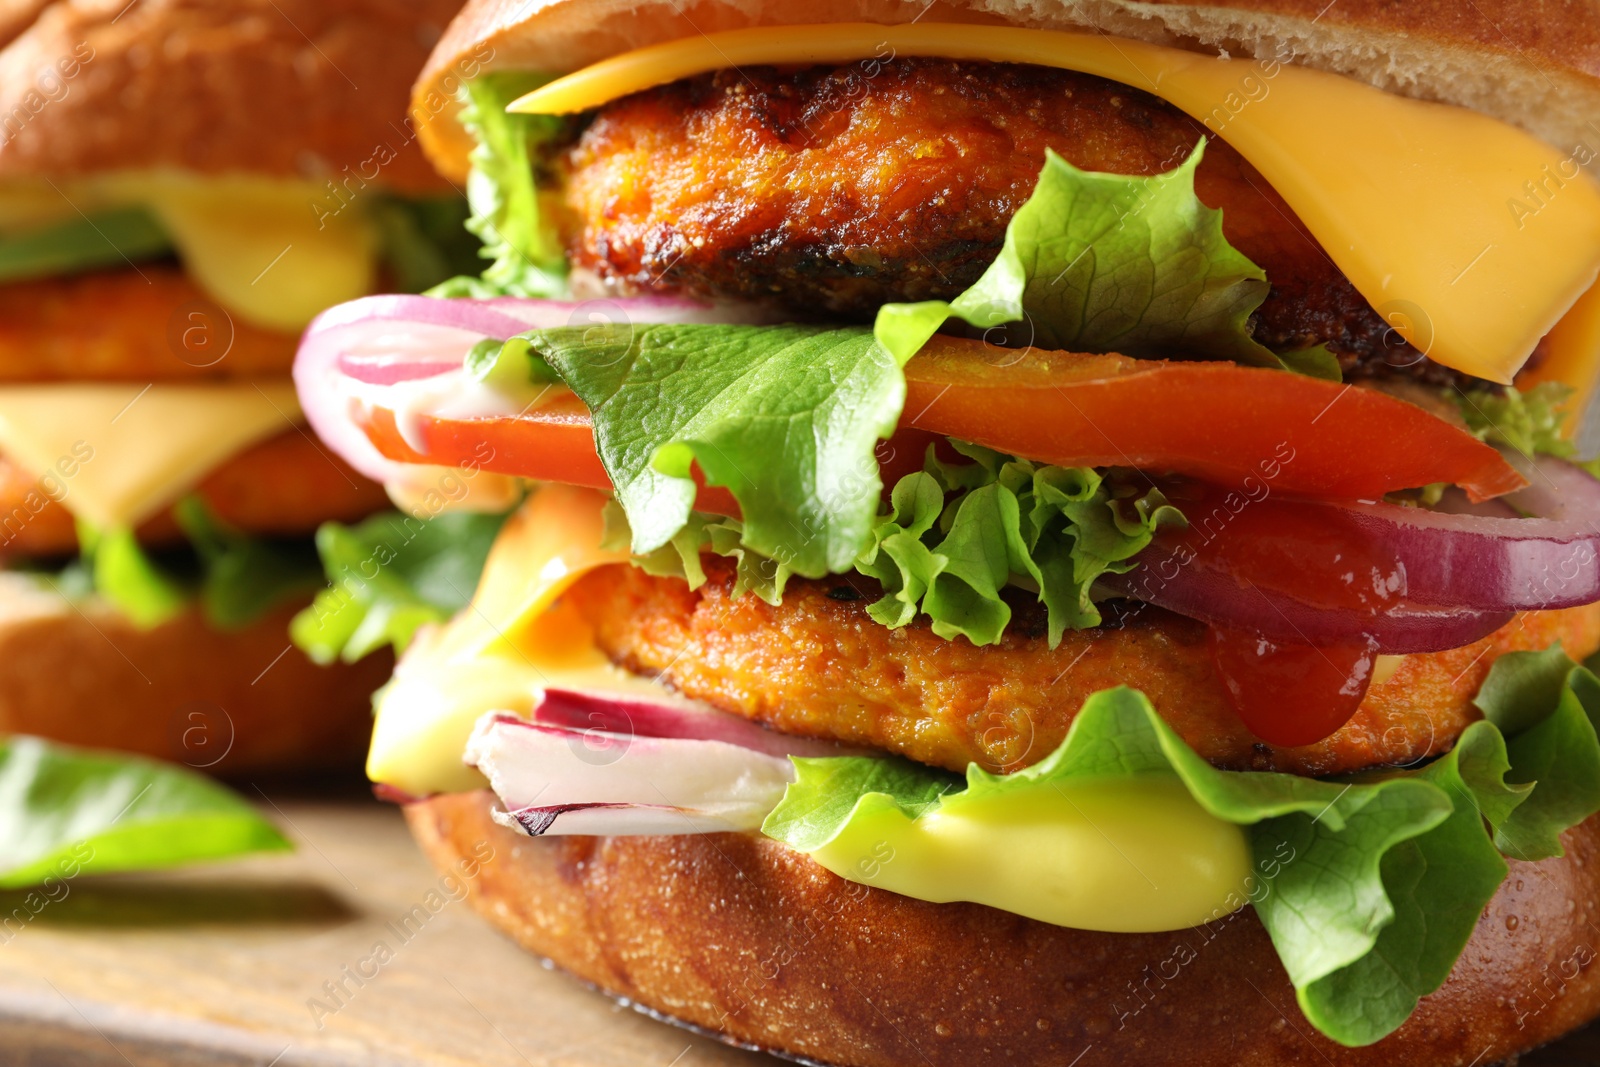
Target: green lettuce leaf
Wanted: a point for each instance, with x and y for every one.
(957, 534)
(244, 577)
(1368, 886)
(786, 417)
(503, 193)
(424, 241)
(111, 238)
(1553, 748)
(1529, 421)
(1099, 262)
(389, 575)
(67, 811)
(235, 577)
(954, 537)
(118, 569)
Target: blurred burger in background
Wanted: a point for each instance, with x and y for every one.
(1054, 530)
(183, 186)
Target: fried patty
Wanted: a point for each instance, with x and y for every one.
(817, 665)
(137, 324)
(829, 191)
(286, 486)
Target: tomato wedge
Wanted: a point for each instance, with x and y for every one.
(1218, 422)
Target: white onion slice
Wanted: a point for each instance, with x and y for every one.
(558, 780)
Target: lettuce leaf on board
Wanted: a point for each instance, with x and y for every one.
(1096, 262)
(1387, 873)
(68, 811)
(526, 255)
(389, 575)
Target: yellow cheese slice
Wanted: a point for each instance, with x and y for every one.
(269, 251)
(1572, 356)
(273, 252)
(1125, 855)
(118, 453)
(1471, 237)
(502, 651)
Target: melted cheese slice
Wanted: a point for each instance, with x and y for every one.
(1471, 237)
(502, 652)
(120, 453)
(1572, 356)
(273, 252)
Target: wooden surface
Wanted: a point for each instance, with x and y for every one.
(220, 965)
(226, 966)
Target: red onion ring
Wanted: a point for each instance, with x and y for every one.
(1219, 599)
(1497, 563)
(558, 780)
(639, 716)
(1410, 579)
(380, 341)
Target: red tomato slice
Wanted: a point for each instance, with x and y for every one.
(556, 444)
(1218, 422)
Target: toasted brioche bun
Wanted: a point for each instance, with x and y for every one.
(1535, 63)
(759, 945)
(226, 702)
(285, 88)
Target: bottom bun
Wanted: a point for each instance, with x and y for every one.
(739, 936)
(227, 702)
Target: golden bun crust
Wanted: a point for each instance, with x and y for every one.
(226, 702)
(740, 936)
(288, 88)
(1535, 63)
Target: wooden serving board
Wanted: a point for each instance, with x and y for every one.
(226, 966)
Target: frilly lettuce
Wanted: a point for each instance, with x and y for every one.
(503, 193)
(1529, 421)
(954, 537)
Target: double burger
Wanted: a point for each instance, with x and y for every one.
(183, 186)
(1052, 532)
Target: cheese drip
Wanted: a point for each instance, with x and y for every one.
(117, 453)
(1471, 237)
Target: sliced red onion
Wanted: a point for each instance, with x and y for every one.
(558, 780)
(1496, 563)
(406, 353)
(1220, 599)
(1411, 579)
(670, 717)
